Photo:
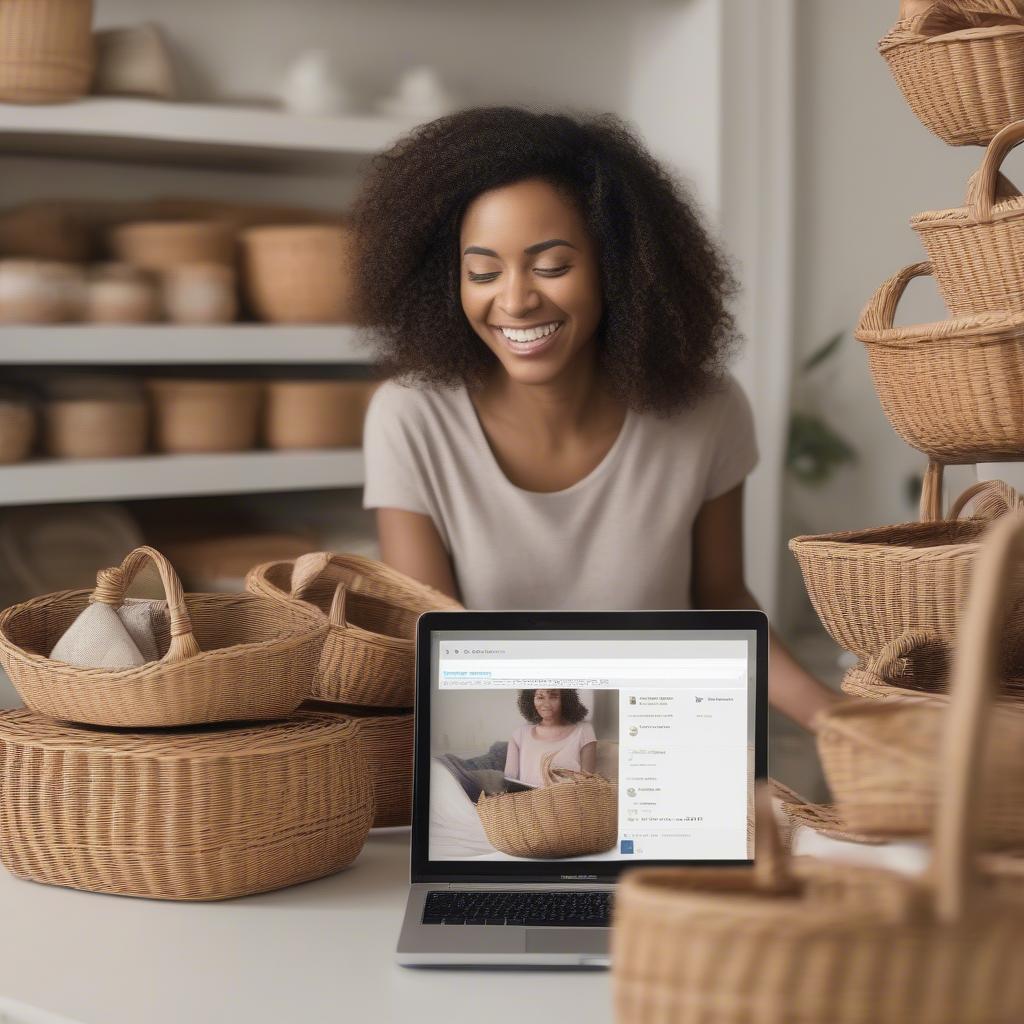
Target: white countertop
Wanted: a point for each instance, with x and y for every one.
(318, 952)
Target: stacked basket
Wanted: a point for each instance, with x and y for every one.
(190, 777)
(366, 673)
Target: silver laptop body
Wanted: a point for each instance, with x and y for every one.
(667, 694)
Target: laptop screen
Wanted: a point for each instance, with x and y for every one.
(653, 729)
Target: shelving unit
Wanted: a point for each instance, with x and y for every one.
(161, 476)
(159, 344)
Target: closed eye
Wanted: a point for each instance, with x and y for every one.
(483, 277)
(551, 271)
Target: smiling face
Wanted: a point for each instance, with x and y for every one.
(530, 285)
(548, 704)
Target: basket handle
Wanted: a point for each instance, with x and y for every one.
(884, 663)
(997, 499)
(336, 615)
(880, 312)
(981, 193)
(112, 585)
(309, 568)
(771, 859)
(973, 687)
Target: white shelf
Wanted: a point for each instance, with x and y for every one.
(100, 127)
(149, 344)
(161, 476)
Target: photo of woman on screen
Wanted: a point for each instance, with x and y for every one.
(555, 724)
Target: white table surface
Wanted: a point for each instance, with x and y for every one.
(318, 952)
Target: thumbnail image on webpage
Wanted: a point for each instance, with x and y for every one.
(592, 749)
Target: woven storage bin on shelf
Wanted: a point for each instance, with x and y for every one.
(573, 814)
(787, 942)
(870, 586)
(977, 250)
(162, 245)
(954, 389)
(201, 814)
(227, 656)
(962, 78)
(369, 655)
(46, 50)
(386, 738)
(205, 415)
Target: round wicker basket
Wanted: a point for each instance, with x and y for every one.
(17, 429)
(198, 814)
(226, 657)
(161, 245)
(316, 413)
(205, 415)
(573, 814)
(386, 738)
(954, 389)
(95, 428)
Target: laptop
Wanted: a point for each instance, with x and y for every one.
(670, 707)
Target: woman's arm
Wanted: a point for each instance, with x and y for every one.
(410, 543)
(512, 760)
(718, 582)
(588, 756)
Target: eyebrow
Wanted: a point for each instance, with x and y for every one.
(530, 250)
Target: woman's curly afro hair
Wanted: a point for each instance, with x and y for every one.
(573, 710)
(666, 331)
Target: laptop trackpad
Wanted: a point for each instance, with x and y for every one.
(567, 940)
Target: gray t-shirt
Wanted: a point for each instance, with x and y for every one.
(620, 538)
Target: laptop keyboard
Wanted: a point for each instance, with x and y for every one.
(583, 908)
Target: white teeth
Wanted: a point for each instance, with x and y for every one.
(533, 334)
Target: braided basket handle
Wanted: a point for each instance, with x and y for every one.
(336, 615)
(981, 193)
(112, 586)
(973, 686)
(880, 312)
(996, 498)
(309, 568)
(885, 663)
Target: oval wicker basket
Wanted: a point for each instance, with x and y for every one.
(870, 586)
(387, 738)
(977, 250)
(227, 656)
(954, 389)
(844, 945)
(46, 50)
(205, 415)
(962, 78)
(572, 815)
(198, 814)
(302, 273)
(370, 652)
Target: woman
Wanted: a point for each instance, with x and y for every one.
(563, 432)
(554, 726)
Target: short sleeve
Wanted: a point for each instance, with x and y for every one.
(587, 734)
(734, 443)
(393, 476)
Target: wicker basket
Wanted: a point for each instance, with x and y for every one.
(301, 273)
(17, 429)
(316, 413)
(977, 250)
(964, 79)
(226, 656)
(205, 415)
(386, 738)
(161, 245)
(201, 814)
(46, 50)
(95, 428)
(777, 944)
(370, 653)
(881, 760)
(870, 586)
(572, 814)
(953, 390)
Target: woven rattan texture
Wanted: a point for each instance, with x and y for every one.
(387, 740)
(576, 814)
(188, 814)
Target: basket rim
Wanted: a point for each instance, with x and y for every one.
(294, 635)
(216, 741)
(899, 36)
(851, 541)
(989, 328)
(1005, 209)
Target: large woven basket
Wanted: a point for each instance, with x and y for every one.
(572, 815)
(369, 655)
(200, 814)
(226, 656)
(963, 78)
(954, 389)
(881, 759)
(387, 738)
(977, 250)
(870, 586)
(46, 50)
(812, 944)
